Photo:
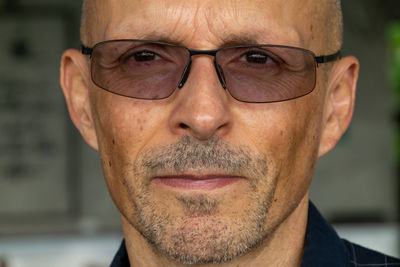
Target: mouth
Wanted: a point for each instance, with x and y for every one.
(192, 182)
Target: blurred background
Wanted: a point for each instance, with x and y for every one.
(54, 206)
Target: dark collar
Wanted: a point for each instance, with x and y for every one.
(121, 258)
(323, 247)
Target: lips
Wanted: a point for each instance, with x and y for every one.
(187, 182)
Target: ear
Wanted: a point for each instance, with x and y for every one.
(339, 103)
(74, 79)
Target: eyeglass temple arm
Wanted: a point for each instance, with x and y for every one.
(328, 58)
(86, 50)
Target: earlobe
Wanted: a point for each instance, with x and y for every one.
(339, 103)
(74, 81)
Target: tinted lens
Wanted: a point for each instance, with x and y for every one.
(262, 74)
(138, 69)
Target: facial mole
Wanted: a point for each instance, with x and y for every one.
(113, 141)
(311, 30)
(140, 121)
(109, 163)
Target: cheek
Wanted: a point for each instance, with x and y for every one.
(281, 127)
(299, 150)
(124, 127)
(287, 133)
(120, 130)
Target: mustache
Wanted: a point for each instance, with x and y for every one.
(190, 154)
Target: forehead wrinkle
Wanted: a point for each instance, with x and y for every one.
(253, 26)
(125, 27)
(211, 26)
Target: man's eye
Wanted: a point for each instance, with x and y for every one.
(145, 56)
(257, 58)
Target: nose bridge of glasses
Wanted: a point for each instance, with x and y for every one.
(195, 52)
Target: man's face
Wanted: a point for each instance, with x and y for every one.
(200, 175)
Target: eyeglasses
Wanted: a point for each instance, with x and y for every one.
(250, 73)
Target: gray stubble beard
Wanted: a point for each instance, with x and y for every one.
(201, 236)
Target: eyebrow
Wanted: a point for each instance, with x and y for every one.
(158, 37)
(239, 39)
(229, 40)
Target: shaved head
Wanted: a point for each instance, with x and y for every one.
(327, 17)
(90, 18)
(329, 14)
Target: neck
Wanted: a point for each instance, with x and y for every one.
(283, 248)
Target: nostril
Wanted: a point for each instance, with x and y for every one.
(183, 126)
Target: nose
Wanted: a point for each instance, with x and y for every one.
(202, 106)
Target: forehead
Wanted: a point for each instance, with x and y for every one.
(205, 24)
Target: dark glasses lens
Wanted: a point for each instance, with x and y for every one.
(151, 70)
(138, 69)
(267, 73)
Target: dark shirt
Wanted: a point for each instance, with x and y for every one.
(323, 248)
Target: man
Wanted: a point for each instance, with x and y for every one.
(209, 117)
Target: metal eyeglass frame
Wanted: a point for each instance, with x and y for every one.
(213, 52)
